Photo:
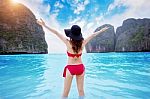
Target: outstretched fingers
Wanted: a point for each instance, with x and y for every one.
(104, 29)
(40, 22)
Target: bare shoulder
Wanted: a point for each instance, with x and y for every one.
(68, 43)
(84, 43)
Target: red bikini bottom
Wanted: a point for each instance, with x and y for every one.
(74, 69)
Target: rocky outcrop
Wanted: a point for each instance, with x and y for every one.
(133, 35)
(104, 42)
(19, 32)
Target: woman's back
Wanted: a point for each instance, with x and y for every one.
(74, 58)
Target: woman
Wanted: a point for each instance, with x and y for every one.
(75, 47)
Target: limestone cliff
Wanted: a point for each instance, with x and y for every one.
(19, 32)
(133, 35)
(104, 42)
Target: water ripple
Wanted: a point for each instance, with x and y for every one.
(108, 76)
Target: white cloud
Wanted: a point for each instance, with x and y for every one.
(89, 25)
(99, 18)
(78, 6)
(95, 9)
(135, 9)
(63, 0)
(116, 4)
(78, 21)
(71, 22)
(58, 4)
(37, 7)
(81, 6)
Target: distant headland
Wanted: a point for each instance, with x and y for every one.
(132, 36)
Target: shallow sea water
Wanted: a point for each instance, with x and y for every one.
(108, 76)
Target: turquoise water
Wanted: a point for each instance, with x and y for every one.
(108, 76)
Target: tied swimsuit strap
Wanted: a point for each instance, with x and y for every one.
(73, 55)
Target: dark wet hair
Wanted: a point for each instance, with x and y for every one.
(76, 45)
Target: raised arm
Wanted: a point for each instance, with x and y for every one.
(94, 34)
(42, 23)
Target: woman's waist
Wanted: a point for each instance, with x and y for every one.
(74, 63)
(79, 64)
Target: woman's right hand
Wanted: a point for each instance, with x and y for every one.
(104, 29)
(41, 22)
(101, 30)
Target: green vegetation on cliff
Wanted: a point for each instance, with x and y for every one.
(19, 32)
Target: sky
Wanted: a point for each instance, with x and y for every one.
(88, 14)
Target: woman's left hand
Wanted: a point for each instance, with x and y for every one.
(41, 22)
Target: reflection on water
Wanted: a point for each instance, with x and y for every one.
(108, 76)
